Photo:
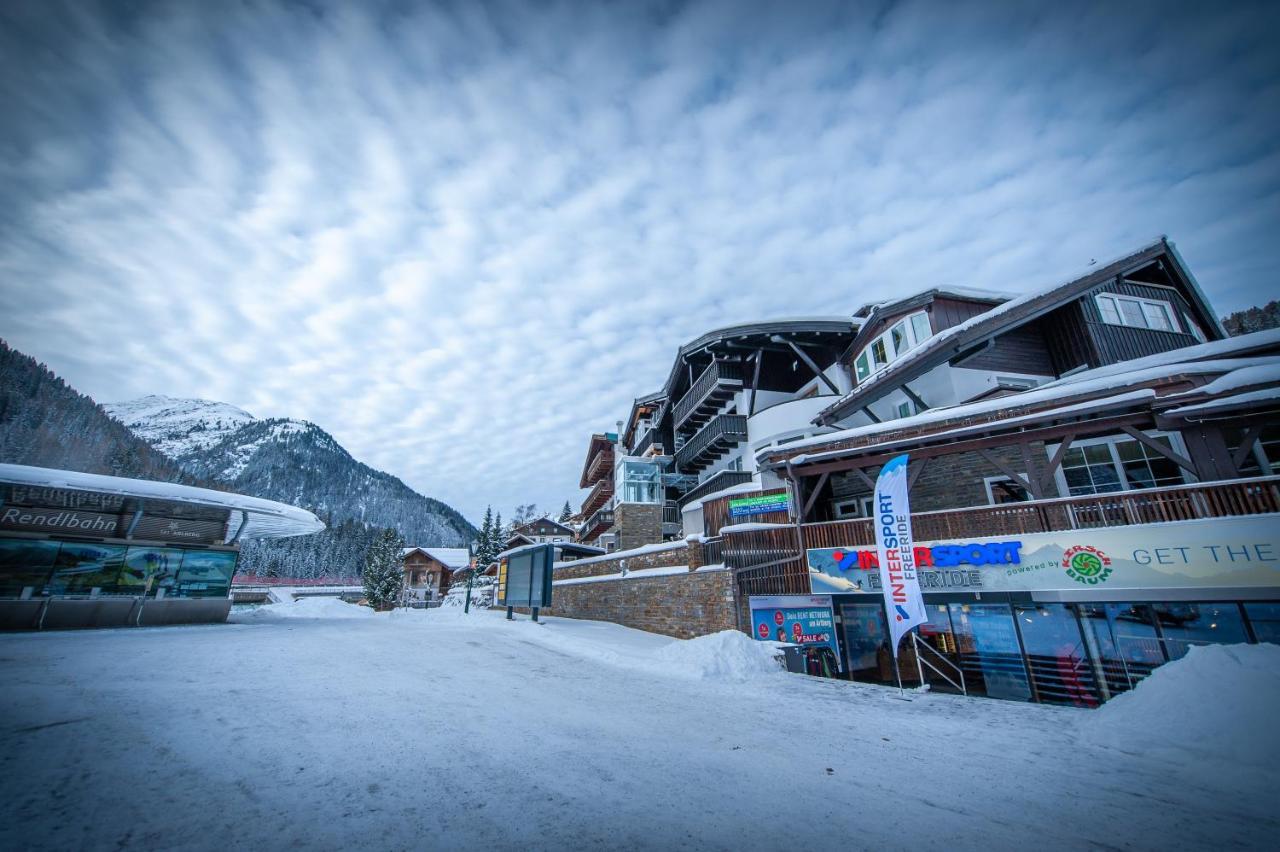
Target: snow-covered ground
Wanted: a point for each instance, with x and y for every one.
(318, 724)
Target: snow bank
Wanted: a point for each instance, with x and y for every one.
(727, 655)
(317, 607)
(1218, 702)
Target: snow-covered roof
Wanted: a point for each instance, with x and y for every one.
(740, 488)
(450, 557)
(1086, 391)
(263, 518)
(999, 319)
(1226, 404)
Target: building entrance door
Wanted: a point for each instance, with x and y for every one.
(866, 644)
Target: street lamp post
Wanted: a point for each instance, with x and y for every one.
(471, 578)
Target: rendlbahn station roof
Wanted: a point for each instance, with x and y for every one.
(65, 502)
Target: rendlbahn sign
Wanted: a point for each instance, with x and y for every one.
(1220, 553)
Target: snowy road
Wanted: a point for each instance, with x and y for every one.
(428, 730)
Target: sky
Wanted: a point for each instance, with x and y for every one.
(463, 237)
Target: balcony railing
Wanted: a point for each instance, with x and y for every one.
(1257, 496)
(598, 523)
(720, 434)
(601, 465)
(722, 480)
(598, 496)
(717, 384)
(649, 440)
(671, 513)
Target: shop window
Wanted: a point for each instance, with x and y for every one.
(1136, 313)
(81, 568)
(206, 573)
(25, 564)
(1117, 464)
(1061, 670)
(1187, 624)
(159, 564)
(1123, 641)
(989, 652)
(1264, 618)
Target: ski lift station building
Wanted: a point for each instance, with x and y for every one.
(88, 550)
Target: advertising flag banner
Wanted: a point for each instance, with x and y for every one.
(895, 549)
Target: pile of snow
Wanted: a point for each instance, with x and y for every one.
(315, 607)
(1218, 702)
(727, 655)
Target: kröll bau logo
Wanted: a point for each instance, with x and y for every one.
(1086, 564)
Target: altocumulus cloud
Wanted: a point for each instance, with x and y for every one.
(399, 220)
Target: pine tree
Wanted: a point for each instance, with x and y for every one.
(384, 570)
(499, 535)
(484, 541)
(566, 513)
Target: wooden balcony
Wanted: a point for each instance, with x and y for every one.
(597, 497)
(599, 522)
(710, 391)
(601, 465)
(719, 435)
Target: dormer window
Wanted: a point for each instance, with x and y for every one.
(1136, 313)
(903, 336)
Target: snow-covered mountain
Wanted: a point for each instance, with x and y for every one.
(178, 427)
(296, 462)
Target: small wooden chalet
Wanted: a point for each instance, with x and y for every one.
(429, 570)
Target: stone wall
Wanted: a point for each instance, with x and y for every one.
(637, 524)
(684, 605)
(685, 600)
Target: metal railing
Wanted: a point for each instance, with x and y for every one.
(599, 522)
(717, 373)
(649, 440)
(723, 429)
(599, 495)
(958, 683)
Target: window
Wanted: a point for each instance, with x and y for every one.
(82, 568)
(25, 564)
(1263, 459)
(1136, 313)
(160, 564)
(638, 481)
(904, 409)
(854, 507)
(1002, 489)
(1117, 464)
(902, 336)
(206, 573)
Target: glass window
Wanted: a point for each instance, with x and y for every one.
(878, 353)
(989, 650)
(1187, 624)
(861, 367)
(1131, 313)
(81, 568)
(25, 564)
(159, 564)
(206, 573)
(639, 481)
(1264, 618)
(898, 337)
(1110, 313)
(904, 409)
(1264, 458)
(866, 644)
(1090, 470)
(920, 327)
(1145, 468)
(1002, 489)
(1157, 316)
(1060, 667)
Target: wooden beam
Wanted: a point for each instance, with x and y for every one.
(998, 463)
(866, 480)
(755, 381)
(1251, 436)
(1037, 491)
(867, 411)
(1147, 441)
(813, 498)
(915, 398)
(809, 362)
(1055, 461)
(915, 473)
